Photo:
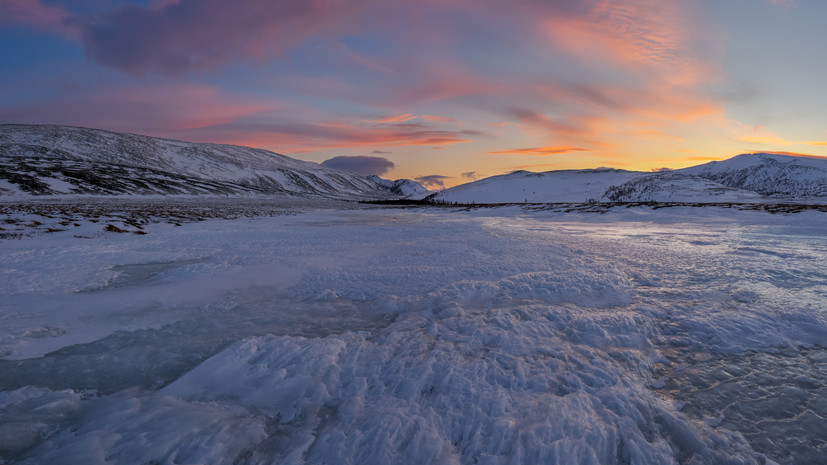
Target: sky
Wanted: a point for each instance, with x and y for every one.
(443, 91)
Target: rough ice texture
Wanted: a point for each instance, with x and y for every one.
(405, 336)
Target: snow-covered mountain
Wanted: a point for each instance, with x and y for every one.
(45, 160)
(48, 160)
(744, 178)
(404, 187)
(527, 187)
(671, 186)
(772, 175)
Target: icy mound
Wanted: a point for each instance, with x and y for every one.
(676, 187)
(43, 160)
(778, 176)
(509, 386)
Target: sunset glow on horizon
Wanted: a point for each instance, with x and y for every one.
(441, 91)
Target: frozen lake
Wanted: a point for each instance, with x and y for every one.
(391, 335)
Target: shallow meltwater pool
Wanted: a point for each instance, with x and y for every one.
(421, 336)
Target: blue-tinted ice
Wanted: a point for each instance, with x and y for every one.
(434, 336)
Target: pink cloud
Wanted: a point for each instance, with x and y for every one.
(167, 111)
(396, 118)
(33, 13)
(570, 127)
(401, 118)
(649, 36)
(205, 113)
(307, 136)
(441, 83)
(785, 4)
(188, 35)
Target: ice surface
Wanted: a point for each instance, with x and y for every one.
(420, 336)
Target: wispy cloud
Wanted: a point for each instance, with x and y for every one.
(206, 113)
(786, 4)
(540, 151)
(33, 13)
(396, 118)
(793, 154)
(638, 35)
(297, 136)
(167, 111)
(360, 164)
(761, 135)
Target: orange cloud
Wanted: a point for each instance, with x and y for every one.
(306, 136)
(640, 35)
(702, 158)
(654, 135)
(540, 151)
(528, 167)
(760, 135)
(679, 105)
(441, 119)
(793, 154)
(570, 127)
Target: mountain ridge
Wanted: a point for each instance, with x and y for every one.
(50, 160)
(746, 178)
(65, 160)
(773, 175)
